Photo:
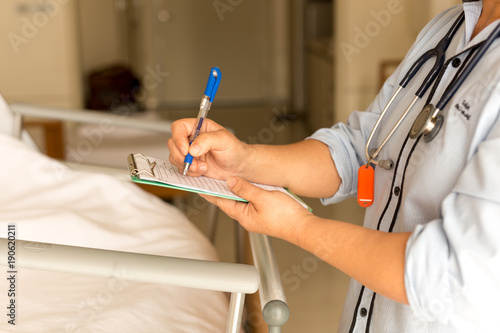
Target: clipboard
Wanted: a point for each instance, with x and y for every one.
(153, 171)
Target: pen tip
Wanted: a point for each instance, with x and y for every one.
(185, 169)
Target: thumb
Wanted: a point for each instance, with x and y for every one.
(244, 189)
(207, 141)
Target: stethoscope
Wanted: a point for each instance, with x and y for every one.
(430, 120)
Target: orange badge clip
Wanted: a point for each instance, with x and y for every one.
(365, 185)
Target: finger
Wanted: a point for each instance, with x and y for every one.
(178, 146)
(219, 140)
(181, 130)
(231, 207)
(197, 167)
(176, 157)
(245, 190)
(213, 199)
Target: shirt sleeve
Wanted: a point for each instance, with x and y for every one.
(452, 265)
(347, 148)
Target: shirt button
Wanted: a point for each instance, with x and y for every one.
(363, 312)
(397, 191)
(456, 62)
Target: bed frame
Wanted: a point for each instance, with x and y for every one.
(235, 278)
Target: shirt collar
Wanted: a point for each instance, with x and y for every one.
(472, 10)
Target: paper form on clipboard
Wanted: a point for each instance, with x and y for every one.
(153, 171)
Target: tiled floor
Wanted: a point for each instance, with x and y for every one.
(315, 290)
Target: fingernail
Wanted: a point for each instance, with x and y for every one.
(231, 182)
(202, 167)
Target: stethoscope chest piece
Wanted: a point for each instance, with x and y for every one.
(427, 123)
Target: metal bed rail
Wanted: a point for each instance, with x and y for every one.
(84, 116)
(21, 111)
(237, 279)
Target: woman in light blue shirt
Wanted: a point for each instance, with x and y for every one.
(428, 256)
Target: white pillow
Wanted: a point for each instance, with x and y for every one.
(7, 123)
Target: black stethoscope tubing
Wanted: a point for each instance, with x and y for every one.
(439, 52)
(452, 89)
(430, 120)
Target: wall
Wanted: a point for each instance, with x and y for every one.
(182, 40)
(367, 33)
(39, 54)
(424, 10)
(102, 33)
(44, 60)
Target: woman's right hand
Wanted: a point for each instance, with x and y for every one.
(216, 152)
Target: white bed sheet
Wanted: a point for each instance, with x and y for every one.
(49, 202)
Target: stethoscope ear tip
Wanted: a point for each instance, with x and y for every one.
(386, 164)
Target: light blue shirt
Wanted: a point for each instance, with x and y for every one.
(446, 192)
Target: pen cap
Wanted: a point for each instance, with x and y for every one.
(213, 83)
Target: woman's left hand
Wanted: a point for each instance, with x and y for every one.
(268, 212)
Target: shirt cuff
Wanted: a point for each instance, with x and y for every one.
(430, 282)
(343, 163)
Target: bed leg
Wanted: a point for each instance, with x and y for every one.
(235, 312)
(213, 211)
(275, 315)
(274, 329)
(239, 241)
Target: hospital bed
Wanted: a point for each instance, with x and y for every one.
(117, 243)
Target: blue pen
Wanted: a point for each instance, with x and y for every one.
(206, 102)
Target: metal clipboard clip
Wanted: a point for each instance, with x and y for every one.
(132, 165)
